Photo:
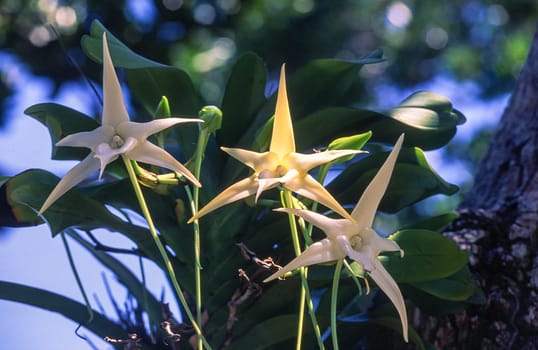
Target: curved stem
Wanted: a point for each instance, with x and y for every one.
(162, 250)
(305, 296)
(353, 277)
(77, 276)
(334, 302)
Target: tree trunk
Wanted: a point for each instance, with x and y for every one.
(498, 225)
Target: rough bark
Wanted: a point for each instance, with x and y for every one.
(498, 224)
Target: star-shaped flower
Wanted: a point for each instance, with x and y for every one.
(355, 238)
(281, 165)
(116, 136)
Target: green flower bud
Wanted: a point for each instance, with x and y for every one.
(212, 117)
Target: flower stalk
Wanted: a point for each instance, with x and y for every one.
(164, 255)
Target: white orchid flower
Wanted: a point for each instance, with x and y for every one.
(116, 136)
(281, 165)
(355, 238)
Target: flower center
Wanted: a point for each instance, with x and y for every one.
(116, 142)
(356, 242)
(280, 170)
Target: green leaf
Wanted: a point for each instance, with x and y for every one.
(435, 103)
(326, 82)
(69, 308)
(412, 180)
(62, 121)
(355, 142)
(427, 256)
(122, 56)
(395, 324)
(423, 126)
(457, 287)
(268, 333)
(24, 194)
(243, 97)
(436, 223)
(432, 305)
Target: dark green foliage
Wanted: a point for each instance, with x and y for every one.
(320, 94)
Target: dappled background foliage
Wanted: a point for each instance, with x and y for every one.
(466, 40)
(485, 41)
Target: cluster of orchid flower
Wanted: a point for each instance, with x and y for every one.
(351, 236)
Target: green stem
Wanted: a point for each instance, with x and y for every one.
(305, 296)
(197, 264)
(334, 302)
(77, 276)
(355, 279)
(194, 202)
(162, 250)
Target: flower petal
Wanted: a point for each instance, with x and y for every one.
(387, 284)
(88, 139)
(378, 243)
(146, 152)
(331, 227)
(142, 131)
(114, 111)
(266, 184)
(305, 162)
(73, 177)
(107, 154)
(282, 139)
(365, 209)
(254, 160)
(235, 192)
(318, 253)
(308, 187)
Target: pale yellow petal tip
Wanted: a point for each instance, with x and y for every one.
(270, 278)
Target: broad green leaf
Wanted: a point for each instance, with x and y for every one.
(457, 287)
(122, 56)
(326, 82)
(62, 121)
(67, 307)
(244, 95)
(432, 305)
(25, 193)
(434, 102)
(435, 223)
(268, 333)
(395, 324)
(427, 256)
(423, 127)
(413, 180)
